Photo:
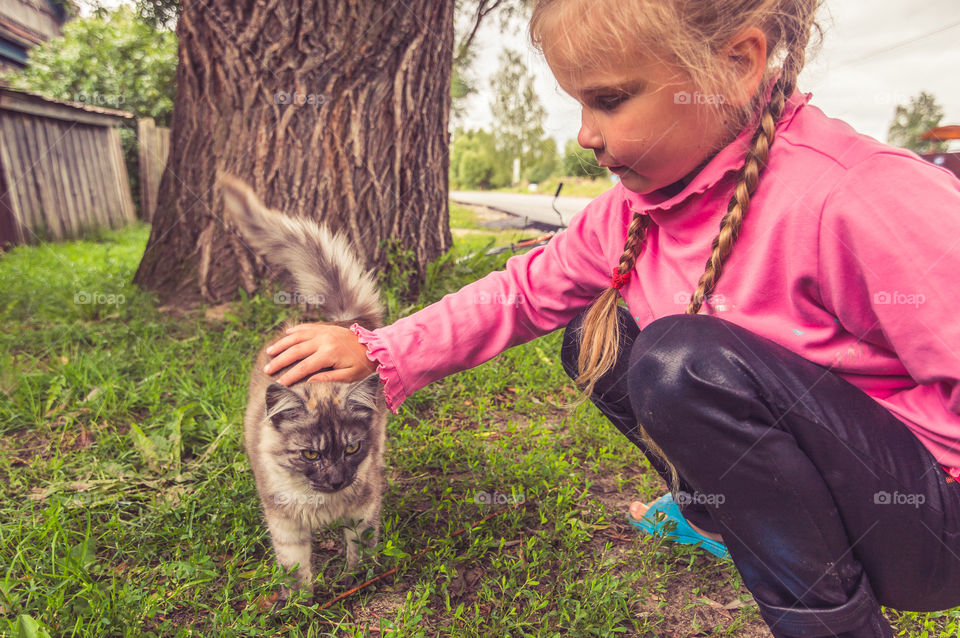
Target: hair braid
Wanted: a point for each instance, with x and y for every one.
(749, 178)
(601, 331)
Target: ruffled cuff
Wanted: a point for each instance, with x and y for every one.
(392, 388)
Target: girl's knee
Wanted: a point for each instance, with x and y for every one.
(668, 357)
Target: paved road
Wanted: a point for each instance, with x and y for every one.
(537, 208)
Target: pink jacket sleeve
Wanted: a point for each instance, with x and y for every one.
(536, 293)
(889, 261)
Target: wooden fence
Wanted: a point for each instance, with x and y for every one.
(61, 169)
(153, 148)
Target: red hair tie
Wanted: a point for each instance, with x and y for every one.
(619, 280)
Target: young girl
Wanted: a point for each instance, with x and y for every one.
(789, 350)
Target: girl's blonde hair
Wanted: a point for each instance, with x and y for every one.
(691, 35)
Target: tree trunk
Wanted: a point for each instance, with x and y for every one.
(331, 109)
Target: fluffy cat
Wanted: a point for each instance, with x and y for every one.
(316, 449)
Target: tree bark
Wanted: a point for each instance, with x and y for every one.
(331, 109)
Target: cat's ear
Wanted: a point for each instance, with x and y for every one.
(283, 404)
(363, 396)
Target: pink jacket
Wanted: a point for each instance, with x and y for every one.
(848, 256)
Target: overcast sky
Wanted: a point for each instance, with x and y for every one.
(876, 54)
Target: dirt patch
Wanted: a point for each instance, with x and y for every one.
(22, 447)
(382, 606)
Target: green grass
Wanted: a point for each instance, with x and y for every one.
(472, 236)
(128, 508)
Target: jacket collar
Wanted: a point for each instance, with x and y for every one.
(730, 159)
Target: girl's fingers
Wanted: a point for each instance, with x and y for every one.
(302, 369)
(290, 355)
(286, 342)
(300, 327)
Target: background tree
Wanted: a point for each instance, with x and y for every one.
(475, 161)
(911, 121)
(517, 112)
(579, 162)
(161, 14)
(543, 160)
(331, 110)
(469, 16)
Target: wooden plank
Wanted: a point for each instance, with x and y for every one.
(110, 179)
(48, 191)
(8, 161)
(53, 159)
(144, 127)
(78, 177)
(20, 177)
(94, 149)
(97, 210)
(70, 172)
(29, 175)
(64, 162)
(11, 231)
(154, 152)
(126, 195)
(163, 156)
(83, 175)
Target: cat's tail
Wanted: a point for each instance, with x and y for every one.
(324, 266)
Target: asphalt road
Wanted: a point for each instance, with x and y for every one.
(537, 208)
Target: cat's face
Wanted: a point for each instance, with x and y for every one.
(326, 432)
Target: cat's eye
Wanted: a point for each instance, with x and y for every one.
(352, 448)
(310, 455)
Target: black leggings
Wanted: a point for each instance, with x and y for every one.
(826, 502)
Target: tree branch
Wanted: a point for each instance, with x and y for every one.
(482, 12)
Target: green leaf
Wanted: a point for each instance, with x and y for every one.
(27, 627)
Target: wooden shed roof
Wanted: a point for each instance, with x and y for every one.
(24, 102)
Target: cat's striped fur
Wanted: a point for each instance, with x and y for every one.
(283, 426)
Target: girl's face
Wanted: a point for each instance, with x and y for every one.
(648, 123)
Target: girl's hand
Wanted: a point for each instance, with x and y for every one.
(318, 346)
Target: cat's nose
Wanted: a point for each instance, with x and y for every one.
(336, 479)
